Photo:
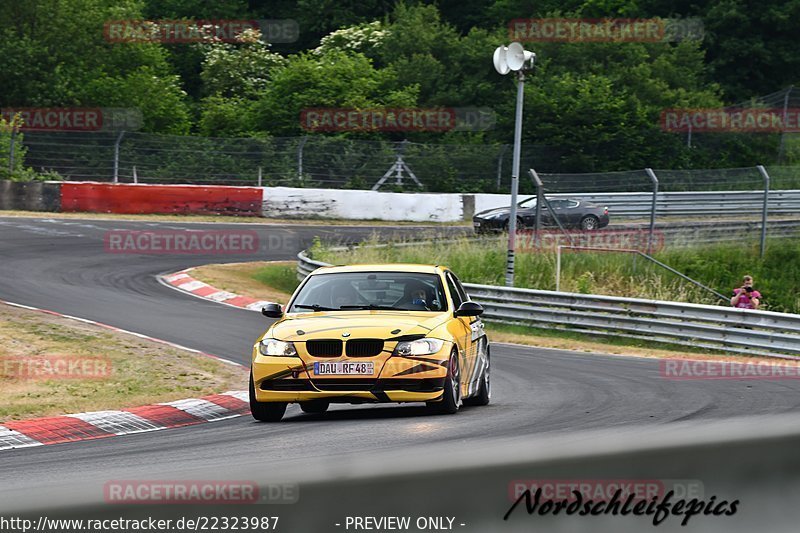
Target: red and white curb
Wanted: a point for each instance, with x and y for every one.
(186, 283)
(102, 424)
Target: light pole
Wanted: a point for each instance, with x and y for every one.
(506, 59)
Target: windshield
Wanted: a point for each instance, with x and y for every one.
(407, 291)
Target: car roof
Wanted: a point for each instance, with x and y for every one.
(382, 267)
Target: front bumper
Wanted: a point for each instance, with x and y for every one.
(395, 379)
(488, 225)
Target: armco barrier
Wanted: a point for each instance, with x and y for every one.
(30, 195)
(93, 197)
(707, 326)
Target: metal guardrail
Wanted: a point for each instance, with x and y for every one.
(712, 203)
(735, 330)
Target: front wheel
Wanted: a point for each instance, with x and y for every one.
(265, 411)
(451, 395)
(520, 225)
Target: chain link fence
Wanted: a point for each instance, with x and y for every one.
(310, 161)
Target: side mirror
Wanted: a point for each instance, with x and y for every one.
(469, 309)
(272, 310)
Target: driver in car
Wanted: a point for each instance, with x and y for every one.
(343, 295)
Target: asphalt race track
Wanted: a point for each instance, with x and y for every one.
(61, 265)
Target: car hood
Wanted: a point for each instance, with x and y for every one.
(359, 324)
(493, 212)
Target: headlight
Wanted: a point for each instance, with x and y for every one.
(418, 347)
(274, 347)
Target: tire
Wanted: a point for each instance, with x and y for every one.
(451, 395)
(265, 411)
(315, 406)
(520, 225)
(590, 223)
(484, 395)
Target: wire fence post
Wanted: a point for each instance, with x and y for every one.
(654, 179)
(781, 147)
(537, 220)
(260, 173)
(503, 149)
(135, 176)
(764, 209)
(12, 149)
(116, 156)
(300, 157)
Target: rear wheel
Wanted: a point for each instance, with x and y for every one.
(484, 394)
(589, 223)
(451, 395)
(265, 411)
(315, 406)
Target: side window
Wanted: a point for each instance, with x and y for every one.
(460, 287)
(456, 290)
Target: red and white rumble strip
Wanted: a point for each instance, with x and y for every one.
(186, 283)
(102, 424)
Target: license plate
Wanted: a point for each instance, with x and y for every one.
(345, 368)
(476, 224)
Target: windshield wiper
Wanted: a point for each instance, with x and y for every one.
(315, 307)
(373, 307)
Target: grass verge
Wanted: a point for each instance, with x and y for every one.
(263, 280)
(132, 371)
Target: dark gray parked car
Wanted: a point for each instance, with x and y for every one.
(571, 212)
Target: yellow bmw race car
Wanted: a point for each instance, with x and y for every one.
(372, 333)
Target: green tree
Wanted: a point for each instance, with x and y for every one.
(54, 53)
(335, 79)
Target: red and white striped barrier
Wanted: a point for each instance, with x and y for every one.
(186, 283)
(103, 424)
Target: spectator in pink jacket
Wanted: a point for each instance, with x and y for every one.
(745, 297)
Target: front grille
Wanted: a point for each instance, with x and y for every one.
(410, 385)
(370, 385)
(344, 384)
(286, 385)
(363, 347)
(324, 348)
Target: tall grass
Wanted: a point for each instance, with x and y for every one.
(720, 267)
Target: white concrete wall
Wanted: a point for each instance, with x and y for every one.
(361, 205)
